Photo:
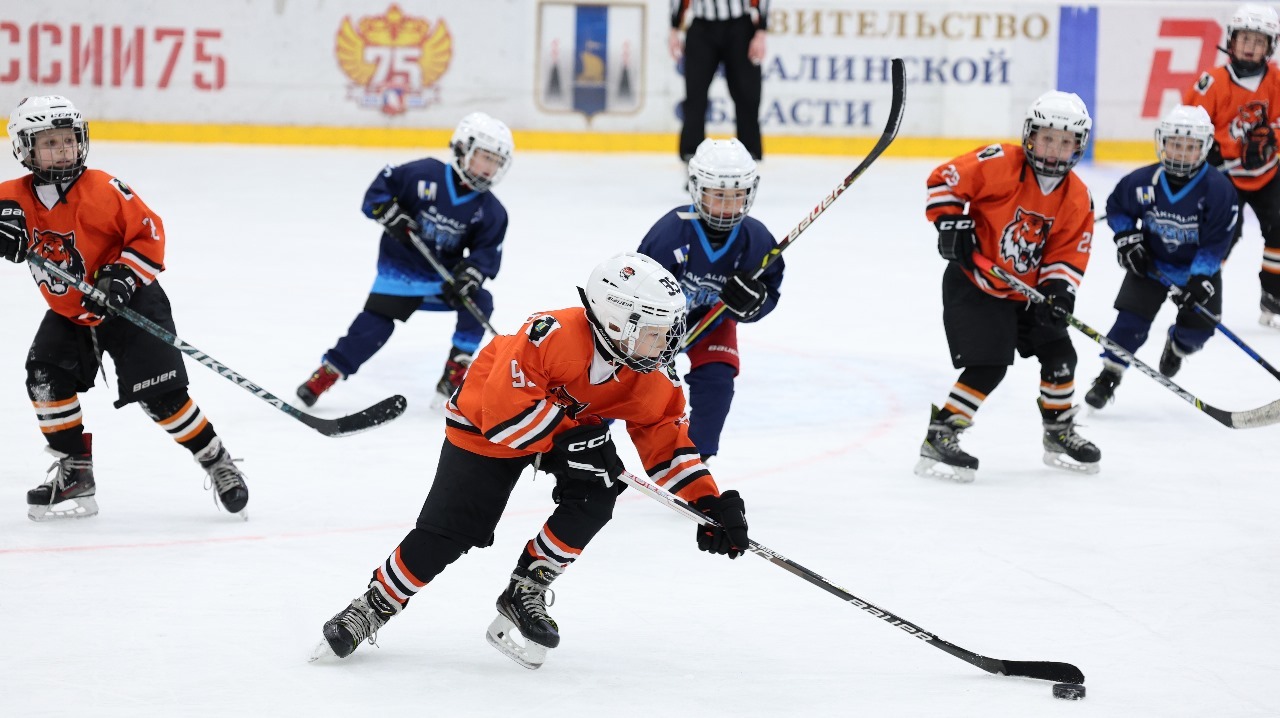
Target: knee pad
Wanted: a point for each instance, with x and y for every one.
(426, 553)
(46, 382)
(983, 379)
(165, 405)
(1191, 339)
(592, 498)
(1057, 361)
(716, 375)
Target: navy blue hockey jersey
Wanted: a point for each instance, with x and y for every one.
(455, 220)
(1188, 231)
(679, 242)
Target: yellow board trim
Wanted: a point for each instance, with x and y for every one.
(1107, 151)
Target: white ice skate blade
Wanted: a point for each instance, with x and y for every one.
(81, 507)
(1267, 319)
(1062, 461)
(502, 634)
(322, 651)
(930, 468)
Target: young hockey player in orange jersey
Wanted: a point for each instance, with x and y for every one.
(1031, 215)
(536, 398)
(95, 227)
(1243, 100)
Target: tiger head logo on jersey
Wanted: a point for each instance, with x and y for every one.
(61, 250)
(1022, 242)
(1252, 114)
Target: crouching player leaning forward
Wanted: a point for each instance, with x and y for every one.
(537, 398)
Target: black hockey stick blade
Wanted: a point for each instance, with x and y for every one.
(374, 416)
(1055, 671)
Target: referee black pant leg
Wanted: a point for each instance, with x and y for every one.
(744, 79)
(701, 59)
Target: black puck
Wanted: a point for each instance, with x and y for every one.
(1068, 691)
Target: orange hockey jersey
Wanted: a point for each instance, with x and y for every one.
(1033, 236)
(102, 222)
(525, 388)
(1236, 107)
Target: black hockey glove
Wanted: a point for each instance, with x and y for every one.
(584, 453)
(743, 296)
(1215, 157)
(466, 280)
(1198, 290)
(1061, 296)
(957, 238)
(1131, 252)
(117, 282)
(730, 537)
(396, 222)
(1259, 147)
(13, 232)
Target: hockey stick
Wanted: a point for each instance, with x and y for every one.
(1042, 670)
(1248, 419)
(376, 415)
(447, 276)
(896, 107)
(1202, 311)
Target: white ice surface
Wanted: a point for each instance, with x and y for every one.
(1159, 576)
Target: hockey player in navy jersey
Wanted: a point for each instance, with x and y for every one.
(713, 248)
(1174, 218)
(452, 210)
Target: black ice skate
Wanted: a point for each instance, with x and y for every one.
(1270, 316)
(320, 382)
(358, 622)
(224, 477)
(1171, 357)
(455, 368)
(1063, 447)
(522, 608)
(941, 455)
(68, 492)
(1103, 391)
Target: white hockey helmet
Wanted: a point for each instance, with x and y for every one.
(1256, 18)
(1184, 121)
(478, 131)
(717, 168)
(1060, 111)
(637, 310)
(47, 112)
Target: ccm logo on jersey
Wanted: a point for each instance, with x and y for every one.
(155, 380)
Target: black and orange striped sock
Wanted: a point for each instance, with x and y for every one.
(62, 424)
(180, 416)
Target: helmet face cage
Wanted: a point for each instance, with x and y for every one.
(479, 133)
(637, 310)
(722, 183)
(1261, 19)
(35, 115)
(1059, 111)
(1184, 124)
